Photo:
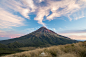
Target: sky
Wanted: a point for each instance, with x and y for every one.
(21, 17)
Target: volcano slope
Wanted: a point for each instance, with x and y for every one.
(42, 37)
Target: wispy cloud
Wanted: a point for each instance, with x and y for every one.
(10, 34)
(75, 34)
(40, 15)
(8, 20)
(42, 8)
(13, 33)
(16, 6)
(83, 37)
(66, 8)
(74, 31)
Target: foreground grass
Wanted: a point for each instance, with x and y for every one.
(27, 48)
(68, 50)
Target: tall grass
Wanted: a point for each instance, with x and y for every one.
(68, 50)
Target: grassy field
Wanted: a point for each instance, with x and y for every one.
(68, 50)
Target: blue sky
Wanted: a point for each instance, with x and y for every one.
(65, 17)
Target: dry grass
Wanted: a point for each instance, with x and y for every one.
(27, 48)
(67, 55)
(68, 50)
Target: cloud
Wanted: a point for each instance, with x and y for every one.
(42, 8)
(14, 33)
(75, 34)
(40, 15)
(24, 7)
(41, 1)
(10, 34)
(84, 0)
(66, 8)
(63, 8)
(8, 20)
(74, 31)
(1, 31)
(29, 4)
(78, 37)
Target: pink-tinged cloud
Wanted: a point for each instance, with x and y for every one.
(15, 34)
(76, 34)
(2, 36)
(10, 34)
(82, 37)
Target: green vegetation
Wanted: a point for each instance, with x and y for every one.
(37, 39)
(9, 49)
(40, 38)
(68, 50)
(5, 51)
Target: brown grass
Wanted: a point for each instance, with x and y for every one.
(27, 48)
(68, 50)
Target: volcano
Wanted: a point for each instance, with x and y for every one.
(39, 38)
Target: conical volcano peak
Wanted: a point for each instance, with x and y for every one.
(43, 26)
(43, 29)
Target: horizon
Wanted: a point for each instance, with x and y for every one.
(21, 17)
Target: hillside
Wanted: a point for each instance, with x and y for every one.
(39, 38)
(68, 50)
(42, 37)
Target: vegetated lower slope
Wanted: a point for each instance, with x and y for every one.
(68, 50)
(39, 38)
(4, 49)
